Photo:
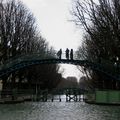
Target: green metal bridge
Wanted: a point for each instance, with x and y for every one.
(15, 64)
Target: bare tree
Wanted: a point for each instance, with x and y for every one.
(19, 35)
(101, 21)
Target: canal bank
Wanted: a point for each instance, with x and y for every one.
(103, 97)
(15, 96)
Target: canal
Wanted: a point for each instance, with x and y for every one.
(58, 111)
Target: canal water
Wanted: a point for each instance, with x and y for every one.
(58, 111)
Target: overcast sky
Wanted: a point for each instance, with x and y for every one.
(52, 17)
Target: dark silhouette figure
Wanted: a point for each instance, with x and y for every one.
(99, 57)
(59, 53)
(71, 54)
(67, 53)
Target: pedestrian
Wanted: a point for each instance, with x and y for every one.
(67, 53)
(71, 54)
(59, 53)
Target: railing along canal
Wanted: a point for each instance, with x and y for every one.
(70, 94)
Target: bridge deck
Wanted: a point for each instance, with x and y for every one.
(105, 67)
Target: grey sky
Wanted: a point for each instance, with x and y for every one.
(52, 18)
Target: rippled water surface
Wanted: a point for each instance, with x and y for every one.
(58, 111)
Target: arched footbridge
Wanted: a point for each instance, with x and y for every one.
(24, 61)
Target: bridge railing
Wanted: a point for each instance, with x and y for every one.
(23, 57)
(110, 66)
(30, 57)
(105, 66)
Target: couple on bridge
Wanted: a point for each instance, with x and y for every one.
(68, 53)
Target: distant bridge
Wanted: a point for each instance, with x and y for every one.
(24, 61)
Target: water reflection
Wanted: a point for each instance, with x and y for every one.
(58, 111)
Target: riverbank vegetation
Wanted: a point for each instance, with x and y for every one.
(19, 35)
(101, 37)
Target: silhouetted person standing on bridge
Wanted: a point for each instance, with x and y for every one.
(71, 54)
(59, 53)
(67, 53)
